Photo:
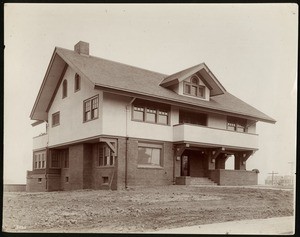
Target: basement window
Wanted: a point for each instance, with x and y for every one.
(105, 180)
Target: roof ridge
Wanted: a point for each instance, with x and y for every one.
(124, 64)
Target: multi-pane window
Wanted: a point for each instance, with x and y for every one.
(192, 118)
(55, 159)
(60, 158)
(194, 88)
(151, 112)
(90, 108)
(55, 119)
(236, 124)
(77, 82)
(39, 160)
(149, 155)
(65, 89)
(105, 155)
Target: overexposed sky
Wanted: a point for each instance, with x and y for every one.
(250, 48)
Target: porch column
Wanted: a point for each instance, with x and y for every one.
(178, 150)
(240, 159)
(211, 156)
(220, 161)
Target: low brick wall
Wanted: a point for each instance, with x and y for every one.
(14, 187)
(233, 177)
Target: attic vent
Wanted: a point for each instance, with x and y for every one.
(82, 48)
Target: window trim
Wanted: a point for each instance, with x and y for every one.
(56, 114)
(90, 110)
(153, 146)
(77, 77)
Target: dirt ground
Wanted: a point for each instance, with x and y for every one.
(140, 209)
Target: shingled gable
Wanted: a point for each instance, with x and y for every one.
(120, 78)
(201, 70)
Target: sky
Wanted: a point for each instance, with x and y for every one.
(250, 48)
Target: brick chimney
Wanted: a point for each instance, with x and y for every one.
(82, 48)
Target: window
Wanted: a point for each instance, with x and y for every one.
(39, 160)
(236, 124)
(105, 155)
(39, 180)
(55, 119)
(55, 159)
(138, 113)
(149, 155)
(192, 118)
(193, 88)
(65, 89)
(105, 180)
(77, 82)
(90, 108)
(67, 179)
(151, 112)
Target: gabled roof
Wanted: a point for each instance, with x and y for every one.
(106, 74)
(205, 74)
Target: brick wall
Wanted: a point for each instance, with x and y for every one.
(141, 176)
(234, 177)
(76, 153)
(36, 181)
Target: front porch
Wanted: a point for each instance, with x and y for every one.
(209, 163)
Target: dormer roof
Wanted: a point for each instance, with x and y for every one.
(132, 81)
(203, 72)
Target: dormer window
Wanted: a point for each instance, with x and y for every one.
(65, 89)
(193, 88)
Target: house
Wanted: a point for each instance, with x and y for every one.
(112, 126)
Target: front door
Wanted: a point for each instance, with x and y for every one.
(185, 166)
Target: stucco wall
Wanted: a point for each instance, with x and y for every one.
(217, 121)
(71, 112)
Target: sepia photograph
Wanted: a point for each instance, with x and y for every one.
(150, 118)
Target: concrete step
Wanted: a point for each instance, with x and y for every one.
(201, 181)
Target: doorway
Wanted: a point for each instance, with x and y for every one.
(185, 166)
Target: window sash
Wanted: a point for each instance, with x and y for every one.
(149, 156)
(91, 109)
(150, 114)
(105, 156)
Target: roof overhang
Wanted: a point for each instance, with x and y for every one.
(178, 103)
(53, 74)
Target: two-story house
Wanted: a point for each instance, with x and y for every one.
(111, 125)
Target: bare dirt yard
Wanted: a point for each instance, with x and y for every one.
(140, 209)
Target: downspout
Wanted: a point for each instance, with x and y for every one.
(47, 155)
(126, 142)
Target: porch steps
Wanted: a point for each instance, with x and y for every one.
(199, 181)
(194, 181)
